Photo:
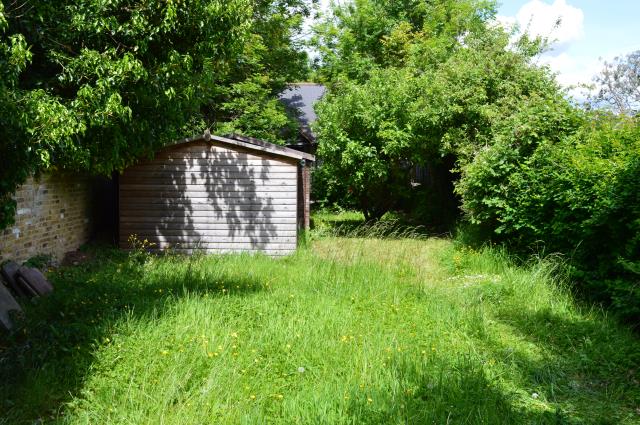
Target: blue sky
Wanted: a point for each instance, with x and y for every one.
(591, 31)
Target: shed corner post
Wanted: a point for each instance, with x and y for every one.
(304, 195)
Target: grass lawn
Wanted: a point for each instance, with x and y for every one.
(353, 330)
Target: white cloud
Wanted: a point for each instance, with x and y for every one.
(570, 70)
(573, 69)
(560, 22)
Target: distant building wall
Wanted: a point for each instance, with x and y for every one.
(53, 216)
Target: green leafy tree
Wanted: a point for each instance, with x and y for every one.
(436, 85)
(363, 35)
(19, 157)
(273, 56)
(439, 85)
(618, 85)
(93, 85)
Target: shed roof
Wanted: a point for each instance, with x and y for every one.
(250, 143)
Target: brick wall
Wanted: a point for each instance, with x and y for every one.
(53, 216)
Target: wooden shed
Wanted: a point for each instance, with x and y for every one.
(217, 194)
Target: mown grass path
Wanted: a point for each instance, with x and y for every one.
(347, 331)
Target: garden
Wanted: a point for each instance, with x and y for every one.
(376, 324)
(474, 254)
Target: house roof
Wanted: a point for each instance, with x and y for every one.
(301, 98)
(250, 143)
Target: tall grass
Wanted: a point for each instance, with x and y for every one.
(349, 330)
(352, 225)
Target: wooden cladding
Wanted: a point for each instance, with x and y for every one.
(214, 198)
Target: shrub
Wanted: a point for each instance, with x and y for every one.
(575, 193)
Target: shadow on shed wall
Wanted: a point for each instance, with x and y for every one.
(188, 200)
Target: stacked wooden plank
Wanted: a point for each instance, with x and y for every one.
(8, 309)
(22, 281)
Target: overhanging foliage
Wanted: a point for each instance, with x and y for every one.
(92, 85)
